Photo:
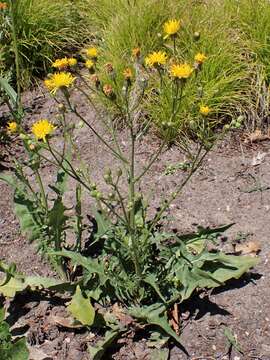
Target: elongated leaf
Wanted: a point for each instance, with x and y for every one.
(91, 265)
(97, 352)
(11, 93)
(25, 210)
(154, 315)
(81, 308)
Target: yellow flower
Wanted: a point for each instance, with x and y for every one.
(200, 58)
(181, 71)
(59, 80)
(157, 58)
(42, 128)
(64, 63)
(89, 64)
(60, 63)
(12, 126)
(204, 110)
(72, 62)
(128, 74)
(92, 52)
(171, 27)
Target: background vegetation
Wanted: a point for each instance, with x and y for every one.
(235, 35)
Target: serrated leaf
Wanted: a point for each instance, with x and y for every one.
(81, 308)
(154, 315)
(91, 265)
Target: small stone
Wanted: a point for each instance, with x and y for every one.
(214, 347)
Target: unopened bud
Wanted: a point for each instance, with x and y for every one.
(196, 36)
(62, 108)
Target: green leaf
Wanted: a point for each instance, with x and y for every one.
(12, 287)
(11, 93)
(25, 211)
(152, 280)
(103, 224)
(231, 339)
(91, 265)
(81, 308)
(159, 354)
(154, 315)
(19, 350)
(97, 352)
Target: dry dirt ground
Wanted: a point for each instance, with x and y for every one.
(233, 186)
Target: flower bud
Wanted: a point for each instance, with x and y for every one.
(143, 83)
(196, 36)
(62, 108)
(119, 172)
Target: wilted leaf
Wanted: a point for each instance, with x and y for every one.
(250, 248)
(81, 308)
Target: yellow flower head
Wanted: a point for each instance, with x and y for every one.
(92, 52)
(157, 58)
(64, 63)
(128, 75)
(171, 27)
(12, 127)
(181, 71)
(200, 58)
(204, 110)
(72, 62)
(60, 63)
(89, 64)
(3, 5)
(42, 128)
(58, 81)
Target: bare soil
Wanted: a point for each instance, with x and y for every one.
(231, 187)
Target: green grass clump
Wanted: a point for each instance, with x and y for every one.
(45, 29)
(225, 78)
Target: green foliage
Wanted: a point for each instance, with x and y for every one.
(44, 29)
(15, 282)
(11, 350)
(81, 308)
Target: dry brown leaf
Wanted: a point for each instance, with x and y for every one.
(67, 322)
(250, 248)
(120, 314)
(174, 319)
(255, 136)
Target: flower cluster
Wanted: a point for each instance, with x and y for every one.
(64, 63)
